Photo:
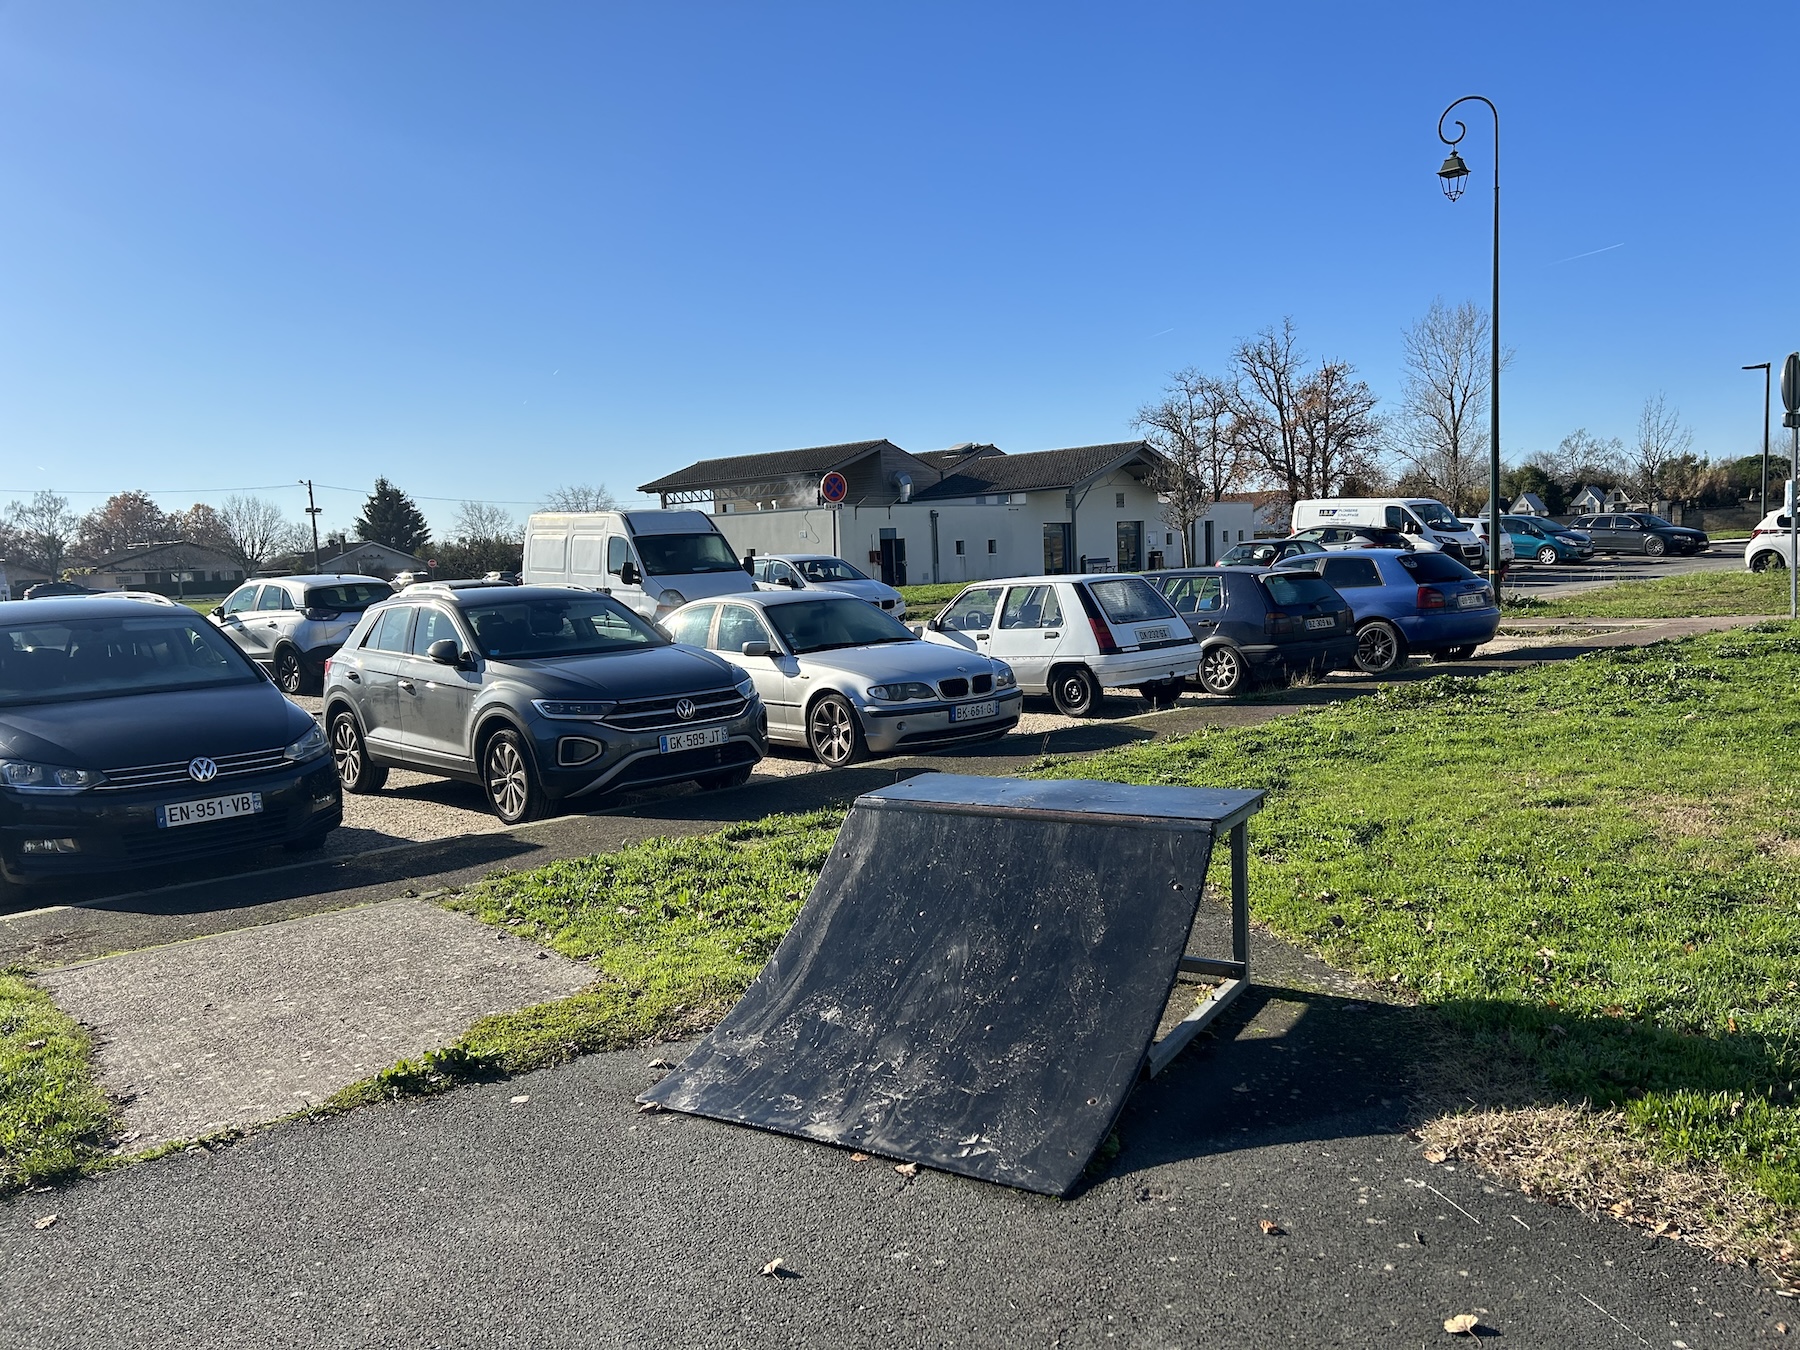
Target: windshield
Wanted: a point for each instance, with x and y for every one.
(1436, 515)
(829, 569)
(1649, 519)
(681, 555)
(579, 625)
(1130, 600)
(1248, 553)
(1298, 588)
(350, 595)
(826, 625)
(1435, 567)
(98, 658)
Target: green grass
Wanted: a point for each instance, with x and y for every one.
(53, 1118)
(941, 593)
(1588, 868)
(1695, 595)
(673, 929)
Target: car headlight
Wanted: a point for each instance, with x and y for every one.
(309, 746)
(550, 707)
(672, 598)
(24, 776)
(746, 687)
(899, 693)
(1003, 676)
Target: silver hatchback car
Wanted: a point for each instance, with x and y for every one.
(292, 625)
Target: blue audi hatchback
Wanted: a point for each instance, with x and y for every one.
(1407, 603)
(134, 733)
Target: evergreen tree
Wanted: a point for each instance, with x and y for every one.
(390, 517)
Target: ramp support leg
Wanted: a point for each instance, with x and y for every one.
(1236, 972)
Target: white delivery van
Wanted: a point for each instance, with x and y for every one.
(1431, 525)
(653, 561)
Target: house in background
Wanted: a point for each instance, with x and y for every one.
(1530, 504)
(175, 567)
(363, 559)
(1588, 501)
(968, 513)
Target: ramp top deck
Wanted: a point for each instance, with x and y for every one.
(1057, 799)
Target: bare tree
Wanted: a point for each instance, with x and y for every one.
(1339, 431)
(1448, 371)
(484, 520)
(1583, 460)
(44, 528)
(1312, 432)
(1662, 440)
(580, 497)
(253, 531)
(1202, 458)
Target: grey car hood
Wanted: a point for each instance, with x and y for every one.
(643, 672)
(862, 590)
(886, 662)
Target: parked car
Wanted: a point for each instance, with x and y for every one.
(1331, 537)
(1256, 625)
(654, 562)
(1409, 602)
(133, 734)
(1640, 532)
(845, 680)
(821, 571)
(1769, 543)
(292, 625)
(1478, 526)
(1267, 552)
(1432, 526)
(50, 590)
(540, 694)
(1074, 637)
(1545, 540)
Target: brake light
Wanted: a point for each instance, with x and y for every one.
(1275, 623)
(1103, 637)
(1430, 597)
(328, 661)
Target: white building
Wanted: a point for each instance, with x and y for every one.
(967, 514)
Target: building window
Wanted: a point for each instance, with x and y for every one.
(1118, 499)
(993, 546)
(1240, 536)
(1168, 538)
(959, 548)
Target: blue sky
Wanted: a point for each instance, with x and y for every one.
(487, 249)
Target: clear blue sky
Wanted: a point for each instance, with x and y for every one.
(484, 249)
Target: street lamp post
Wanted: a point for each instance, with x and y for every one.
(1762, 502)
(1455, 175)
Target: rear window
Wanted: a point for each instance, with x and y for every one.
(1297, 588)
(1130, 600)
(1434, 567)
(349, 595)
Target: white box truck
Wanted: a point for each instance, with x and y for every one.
(1431, 525)
(653, 561)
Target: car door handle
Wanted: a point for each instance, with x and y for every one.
(407, 685)
(1053, 633)
(983, 637)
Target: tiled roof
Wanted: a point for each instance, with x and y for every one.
(1040, 469)
(819, 459)
(945, 460)
(137, 553)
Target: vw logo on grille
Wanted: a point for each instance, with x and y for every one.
(202, 770)
(684, 709)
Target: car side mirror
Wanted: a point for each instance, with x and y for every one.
(445, 651)
(755, 649)
(792, 583)
(629, 574)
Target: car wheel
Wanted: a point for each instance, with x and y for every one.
(1762, 562)
(290, 676)
(1075, 691)
(351, 756)
(1378, 647)
(1223, 670)
(832, 732)
(1655, 546)
(513, 790)
(1547, 555)
(730, 778)
(1462, 653)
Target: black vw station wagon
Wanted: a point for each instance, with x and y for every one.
(134, 733)
(541, 694)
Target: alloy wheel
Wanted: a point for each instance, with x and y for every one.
(1377, 647)
(1221, 671)
(1546, 555)
(347, 751)
(831, 733)
(287, 672)
(507, 778)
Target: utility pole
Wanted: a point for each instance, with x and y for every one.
(312, 510)
(1762, 502)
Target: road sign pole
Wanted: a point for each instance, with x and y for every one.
(1790, 399)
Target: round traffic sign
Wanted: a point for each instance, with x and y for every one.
(833, 487)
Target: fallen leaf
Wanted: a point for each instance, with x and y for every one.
(521, 1099)
(775, 1267)
(1781, 1328)
(38, 1044)
(1273, 1229)
(48, 1221)
(859, 1157)
(1463, 1324)
(649, 1108)
(661, 1064)
(907, 1169)
(1435, 1155)
(1731, 1024)
(1621, 1209)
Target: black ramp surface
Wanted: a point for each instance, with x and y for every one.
(975, 979)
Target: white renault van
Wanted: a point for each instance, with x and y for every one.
(652, 561)
(1432, 526)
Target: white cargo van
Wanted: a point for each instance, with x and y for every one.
(1431, 525)
(653, 561)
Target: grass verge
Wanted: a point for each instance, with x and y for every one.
(54, 1120)
(1697, 595)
